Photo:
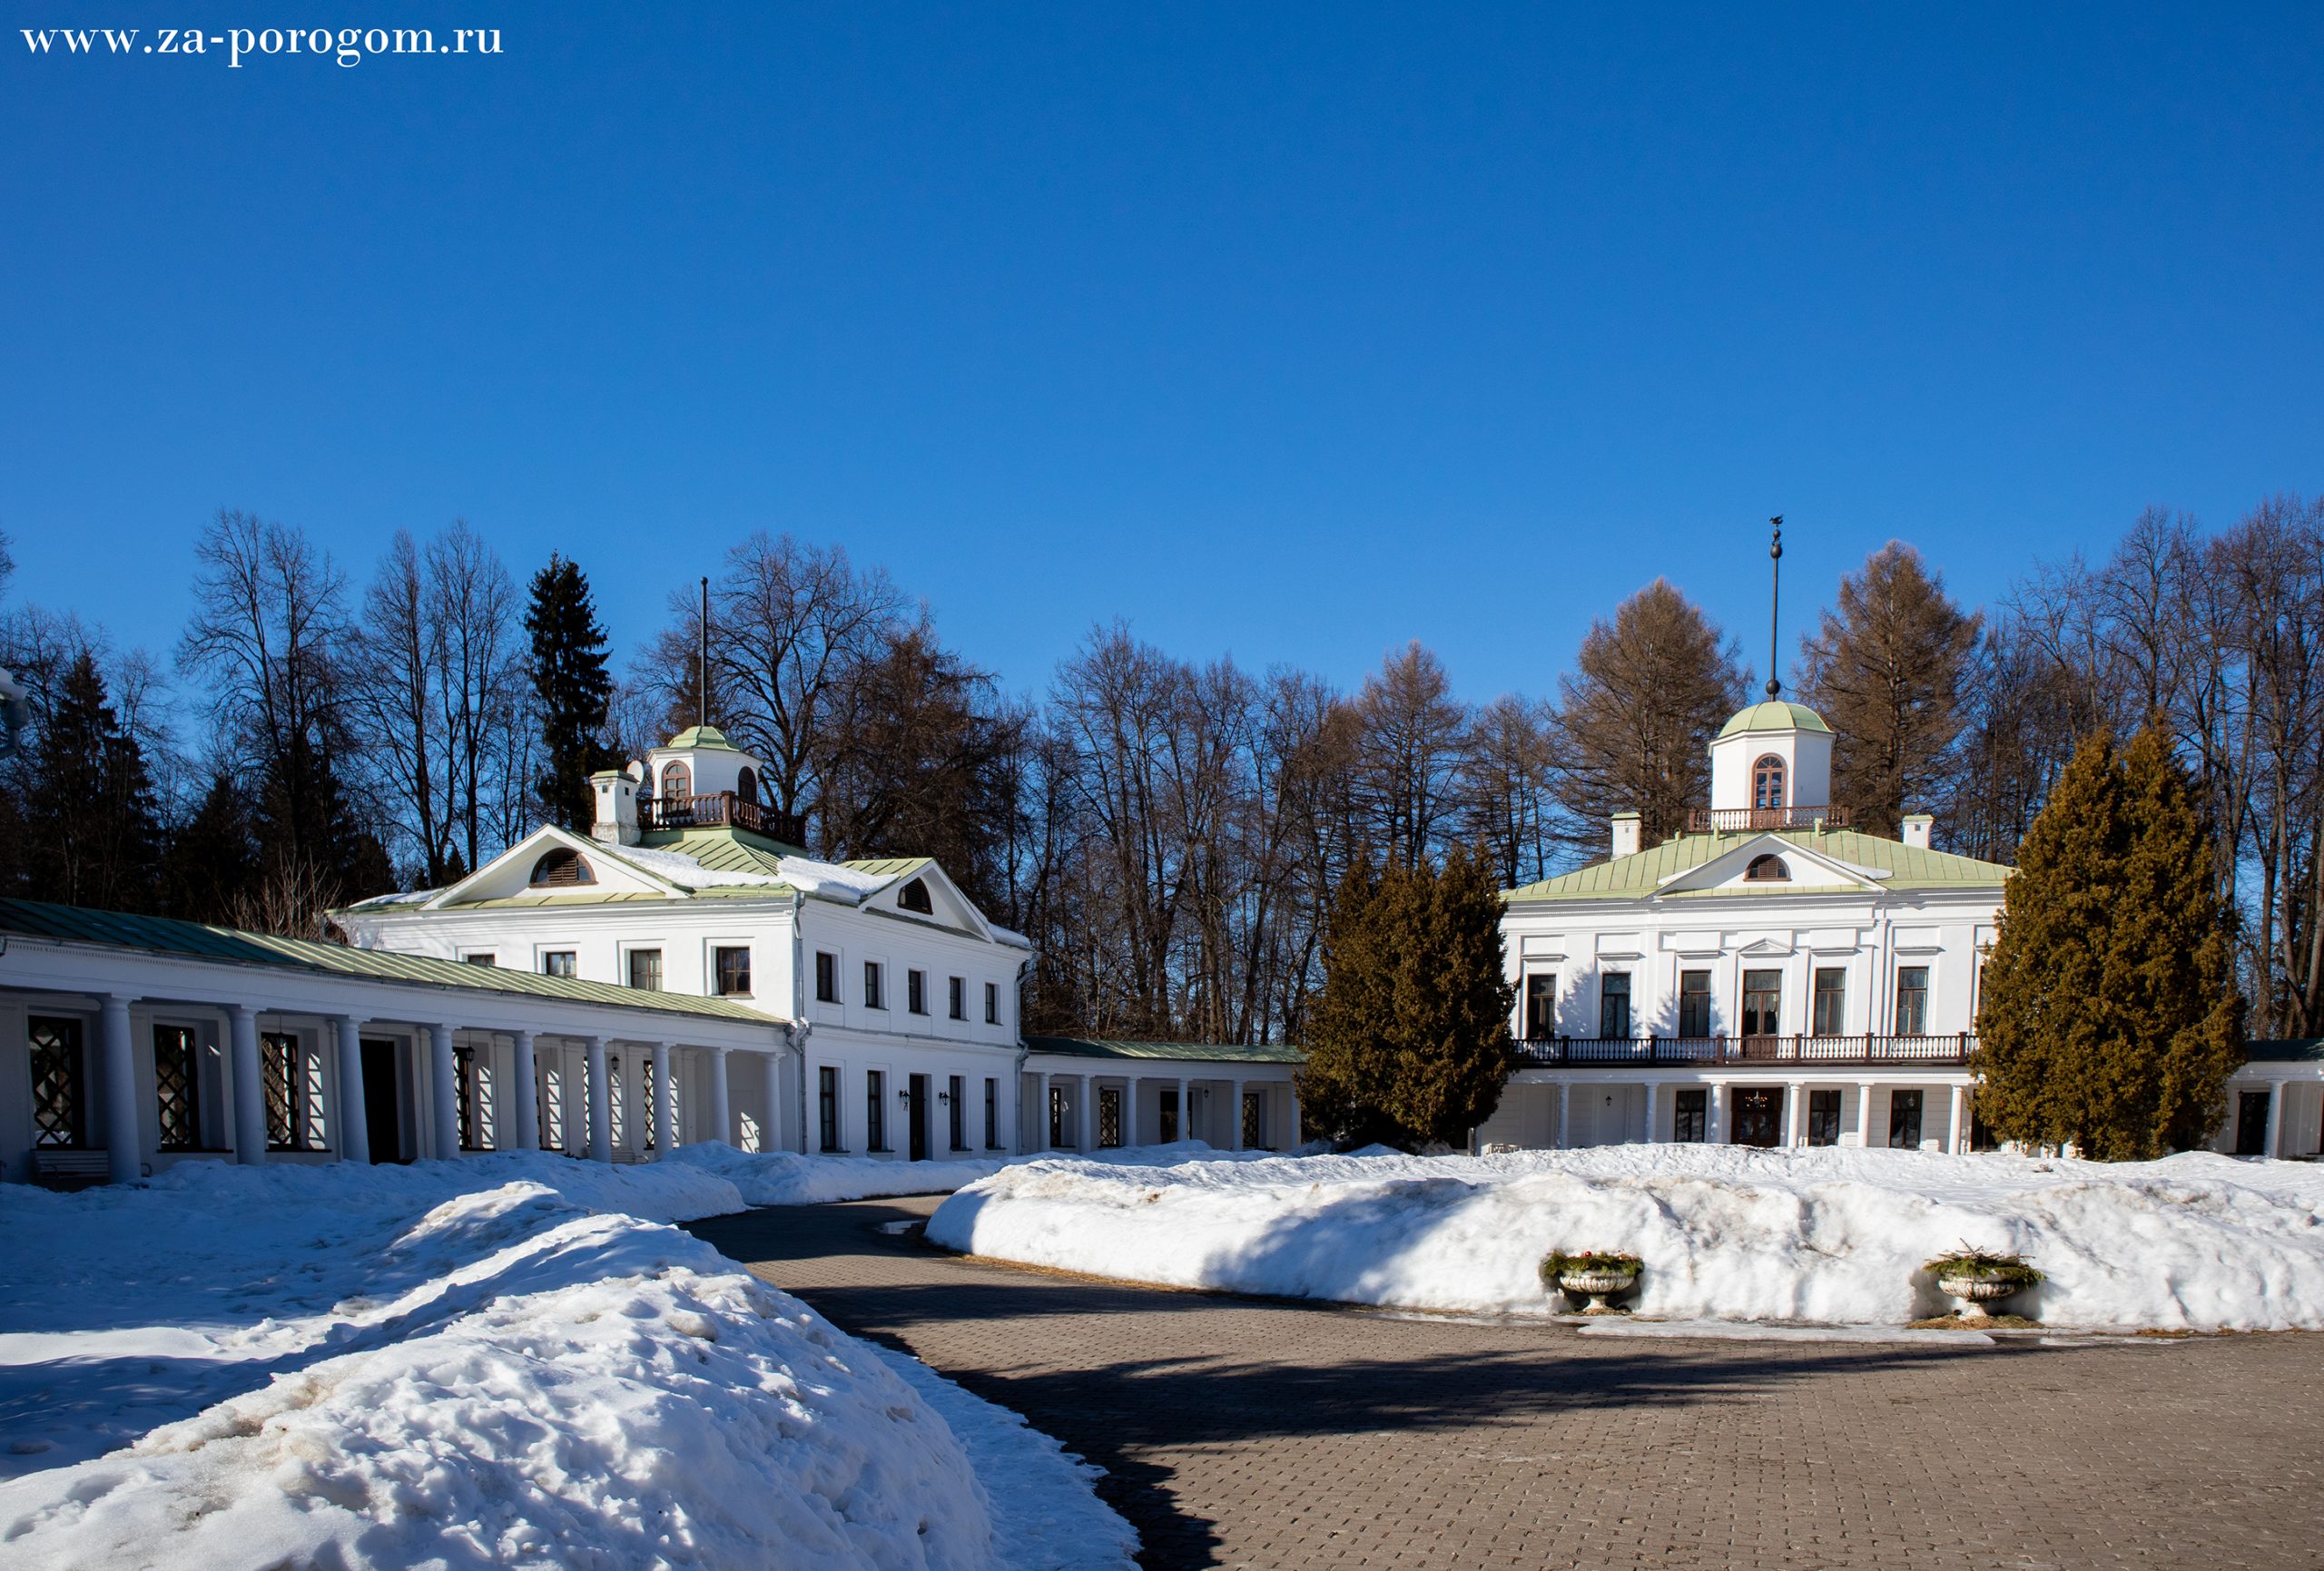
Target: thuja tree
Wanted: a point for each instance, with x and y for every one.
(1408, 1043)
(2109, 1017)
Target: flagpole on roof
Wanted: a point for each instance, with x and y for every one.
(702, 662)
(1775, 601)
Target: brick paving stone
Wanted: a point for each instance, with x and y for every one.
(1279, 1437)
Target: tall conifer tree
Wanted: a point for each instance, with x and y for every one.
(2108, 1016)
(1409, 1042)
(89, 816)
(570, 679)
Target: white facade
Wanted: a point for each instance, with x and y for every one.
(1770, 977)
(1084, 1095)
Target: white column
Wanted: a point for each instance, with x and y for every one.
(2275, 1116)
(1863, 1115)
(1959, 1144)
(1085, 1128)
(1042, 1127)
(1185, 1109)
(354, 1121)
(527, 1094)
(1653, 1109)
(601, 1104)
(1234, 1117)
(250, 1088)
(1295, 1142)
(445, 1093)
(124, 1152)
(1565, 1116)
(722, 1112)
(770, 1128)
(1791, 1119)
(662, 1122)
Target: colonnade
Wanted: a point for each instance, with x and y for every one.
(1085, 1087)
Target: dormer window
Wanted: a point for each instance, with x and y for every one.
(677, 782)
(1766, 782)
(913, 897)
(561, 870)
(1767, 870)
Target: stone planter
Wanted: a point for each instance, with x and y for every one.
(1598, 1287)
(1975, 1292)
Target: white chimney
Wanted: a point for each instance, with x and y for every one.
(616, 823)
(1626, 832)
(1916, 829)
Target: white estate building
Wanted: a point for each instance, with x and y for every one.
(1770, 977)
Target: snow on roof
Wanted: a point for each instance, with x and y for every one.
(680, 869)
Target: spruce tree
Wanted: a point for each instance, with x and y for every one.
(89, 836)
(570, 680)
(1409, 1041)
(2108, 1016)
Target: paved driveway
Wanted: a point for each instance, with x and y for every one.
(1243, 1433)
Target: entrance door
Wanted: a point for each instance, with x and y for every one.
(918, 1087)
(383, 1120)
(2251, 1123)
(1758, 1115)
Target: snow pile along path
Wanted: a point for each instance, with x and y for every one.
(2195, 1241)
(463, 1364)
(786, 1178)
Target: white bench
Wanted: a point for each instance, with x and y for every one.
(57, 1162)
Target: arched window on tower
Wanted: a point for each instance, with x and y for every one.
(677, 783)
(746, 784)
(1766, 782)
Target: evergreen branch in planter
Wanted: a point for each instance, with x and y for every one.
(1975, 1262)
(1558, 1263)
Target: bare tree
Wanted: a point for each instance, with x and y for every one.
(1509, 780)
(1412, 734)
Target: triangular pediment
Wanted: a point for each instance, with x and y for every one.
(1803, 868)
(512, 873)
(921, 883)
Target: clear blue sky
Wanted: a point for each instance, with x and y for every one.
(1293, 335)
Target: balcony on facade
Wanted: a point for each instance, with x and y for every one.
(724, 809)
(1715, 1052)
(1746, 820)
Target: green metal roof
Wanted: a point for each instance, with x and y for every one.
(2289, 1050)
(702, 737)
(1216, 1052)
(163, 934)
(890, 866)
(1775, 714)
(1641, 875)
(722, 850)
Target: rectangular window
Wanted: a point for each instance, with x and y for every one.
(957, 998)
(1692, 1122)
(827, 1106)
(1109, 1116)
(874, 997)
(991, 1115)
(60, 1083)
(1540, 1005)
(1823, 1118)
(1614, 1003)
(1831, 1001)
(560, 963)
(827, 977)
(1904, 1120)
(731, 966)
(646, 970)
(916, 992)
(1762, 1002)
(992, 1002)
(1167, 1117)
(1057, 1117)
(293, 1079)
(481, 958)
(1694, 1004)
(960, 1105)
(177, 1087)
(1254, 1121)
(875, 1110)
(1912, 1000)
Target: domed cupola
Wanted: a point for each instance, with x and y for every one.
(1772, 768)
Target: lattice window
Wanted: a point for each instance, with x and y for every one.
(751, 1140)
(488, 1121)
(60, 1085)
(464, 1077)
(553, 1108)
(177, 1087)
(1109, 1117)
(614, 1083)
(278, 1058)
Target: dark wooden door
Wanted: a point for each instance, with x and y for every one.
(2251, 1123)
(917, 1099)
(382, 1123)
(1758, 1115)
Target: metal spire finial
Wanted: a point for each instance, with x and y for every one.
(702, 667)
(1775, 602)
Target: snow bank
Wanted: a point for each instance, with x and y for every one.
(2195, 1241)
(467, 1364)
(787, 1178)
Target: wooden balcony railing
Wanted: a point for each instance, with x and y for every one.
(722, 810)
(1560, 1052)
(1742, 821)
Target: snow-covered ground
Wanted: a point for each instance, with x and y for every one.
(1728, 1233)
(506, 1361)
